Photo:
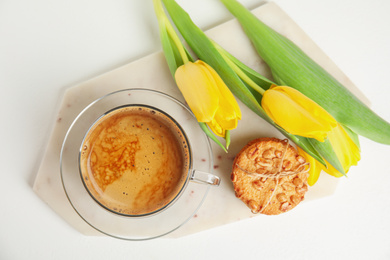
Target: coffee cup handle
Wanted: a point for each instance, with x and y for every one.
(205, 178)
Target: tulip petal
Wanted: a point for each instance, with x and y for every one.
(346, 150)
(216, 128)
(199, 90)
(296, 113)
(227, 99)
(315, 167)
(226, 120)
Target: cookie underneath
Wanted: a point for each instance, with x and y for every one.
(269, 176)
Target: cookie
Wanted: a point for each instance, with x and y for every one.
(269, 176)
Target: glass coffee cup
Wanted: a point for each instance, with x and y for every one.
(126, 186)
(136, 159)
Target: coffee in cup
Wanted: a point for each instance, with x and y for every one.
(135, 160)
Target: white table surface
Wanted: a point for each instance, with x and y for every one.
(48, 46)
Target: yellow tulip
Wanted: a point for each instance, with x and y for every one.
(296, 113)
(346, 150)
(208, 96)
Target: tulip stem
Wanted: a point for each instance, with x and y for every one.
(239, 72)
(169, 28)
(177, 42)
